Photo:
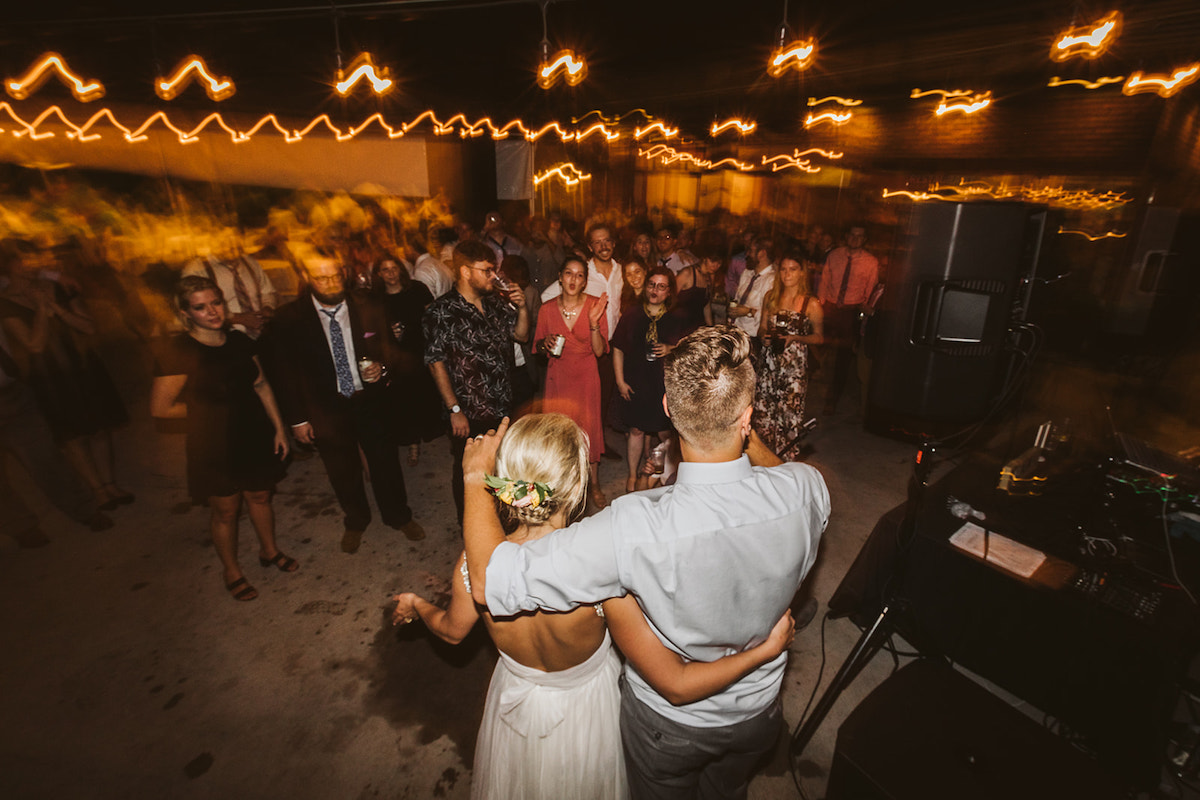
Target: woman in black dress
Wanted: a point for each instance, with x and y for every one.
(645, 333)
(236, 441)
(415, 402)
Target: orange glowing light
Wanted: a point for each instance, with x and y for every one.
(1095, 238)
(1049, 195)
(828, 116)
(742, 127)
(217, 89)
(841, 101)
(48, 64)
(1096, 84)
(1088, 41)
(784, 161)
(966, 106)
(797, 55)
(945, 94)
(646, 115)
(669, 155)
(566, 65)
(567, 172)
(1161, 85)
(363, 67)
(666, 132)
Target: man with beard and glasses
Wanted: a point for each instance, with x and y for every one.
(327, 354)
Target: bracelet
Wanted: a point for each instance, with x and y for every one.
(596, 329)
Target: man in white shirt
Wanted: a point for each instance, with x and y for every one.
(604, 274)
(745, 309)
(666, 242)
(249, 293)
(713, 560)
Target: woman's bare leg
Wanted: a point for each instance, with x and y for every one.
(223, 524)
(262, 516)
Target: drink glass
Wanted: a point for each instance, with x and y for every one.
(363, 364)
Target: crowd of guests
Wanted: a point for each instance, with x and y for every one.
(691, 353)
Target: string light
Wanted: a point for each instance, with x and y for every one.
(568, 172)
(966, 106)
(1088, 41)
(827, 116)
(797, 55)
(1092, 238)
(742, 127)
(669, 155)
(667, 133)
(646, 115)
(566, 65)
(841, 101)
(363, 68)
(1160, 85)
(1050, 195)
(945, 94)
(217, 89)
(53, 64)
(783, 161)
(1096, 84)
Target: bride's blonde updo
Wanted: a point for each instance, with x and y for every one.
(549, 449)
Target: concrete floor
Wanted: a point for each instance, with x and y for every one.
(130, 673)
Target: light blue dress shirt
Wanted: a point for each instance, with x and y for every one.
(714, 560)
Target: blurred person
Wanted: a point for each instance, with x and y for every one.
(850, 276)
(737, 263)
(665, 242)
(579, 324)
(696, 285)
(50, 332)
(561, 666)
(329, 352)
(414, 399)
(792, 321)
(746, 306)
(249, 292)
(643, 248)
(684, 244)
(275, 248)
(26, 437)
(634, 290)
(429, 268)
(524, 375)
(645, 334)
(495, 237)
(469, 333)
(712, 560)
(210, 375)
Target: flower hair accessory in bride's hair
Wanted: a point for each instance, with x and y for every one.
(518, 494)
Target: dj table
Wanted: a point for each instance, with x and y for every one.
(1094, 639)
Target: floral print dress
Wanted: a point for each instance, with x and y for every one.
(783, 382)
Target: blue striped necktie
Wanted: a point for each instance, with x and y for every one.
(341, 362)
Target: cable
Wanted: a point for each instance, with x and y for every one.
(1171, 550)
(804, 714)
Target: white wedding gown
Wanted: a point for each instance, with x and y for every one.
(552, 735)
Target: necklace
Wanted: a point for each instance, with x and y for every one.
(569, 314)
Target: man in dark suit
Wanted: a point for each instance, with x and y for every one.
(327, 354)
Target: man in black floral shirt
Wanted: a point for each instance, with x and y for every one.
(469, 333)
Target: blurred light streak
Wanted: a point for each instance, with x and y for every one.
(363, 67)
(827, 116)
(945, 94)
(1162, 86)
(1094, 238)
(784, 161)
(742, 127)
(216, 89)
(970, 106)
(666, 132)
(646, 115)
(1051, 195)
(1096, 84)
(1088, 41)
(669, 155)
(568, 172)
(566, 65)
(52, 63)
(797, 55)
(842, 101)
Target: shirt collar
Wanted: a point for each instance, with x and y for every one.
(718, 472)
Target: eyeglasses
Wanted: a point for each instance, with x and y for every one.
(664, 236)
(658, 286)
(484, 269)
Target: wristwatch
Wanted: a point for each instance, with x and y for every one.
(456, 409)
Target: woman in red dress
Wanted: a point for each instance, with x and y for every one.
(572, 376)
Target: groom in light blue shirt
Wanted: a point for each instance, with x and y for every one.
(714, 560)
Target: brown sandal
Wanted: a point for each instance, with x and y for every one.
(244, 593)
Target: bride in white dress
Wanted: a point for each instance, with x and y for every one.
(551, 720)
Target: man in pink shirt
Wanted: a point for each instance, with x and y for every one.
(850, 275)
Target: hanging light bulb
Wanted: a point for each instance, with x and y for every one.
(53, 64)
(1088, 41)
(790, 53)
(360, 69)
(565, 64)
(217, 89)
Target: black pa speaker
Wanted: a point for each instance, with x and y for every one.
(943, 322)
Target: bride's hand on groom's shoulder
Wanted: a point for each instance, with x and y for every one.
(479, 457)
